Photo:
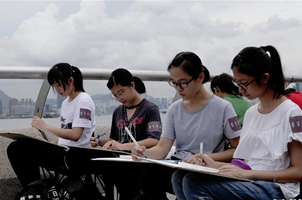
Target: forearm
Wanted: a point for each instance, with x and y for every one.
(224, 156)
(148, 143)
(62, 133)
(157, 152)
(290, 175)
(102, 142)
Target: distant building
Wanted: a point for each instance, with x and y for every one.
(164, 102)
(22, 111)
(12, 102)
(48, 108)
(60, 99)
(1, 112)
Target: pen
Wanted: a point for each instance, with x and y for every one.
(97, 138)
(133, 139)
(201, 151)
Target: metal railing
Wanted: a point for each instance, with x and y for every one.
(8, 72)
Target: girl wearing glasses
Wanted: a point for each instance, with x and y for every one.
(136, 113)
(198, 117)
(141, 117)
(270, 142)
(222, 86)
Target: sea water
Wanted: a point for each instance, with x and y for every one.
(25, 122)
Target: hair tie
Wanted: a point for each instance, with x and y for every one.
(263, 48)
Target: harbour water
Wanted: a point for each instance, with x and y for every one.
(25, 122)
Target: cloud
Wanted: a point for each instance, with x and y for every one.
(275, 23)
(146, 35)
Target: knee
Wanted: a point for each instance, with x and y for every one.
(190, 181)
(177, 177)
(12, 148)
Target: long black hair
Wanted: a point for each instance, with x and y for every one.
(61, 72)
(224, 83)
(123, 77)
(255, 62)
(191, 64)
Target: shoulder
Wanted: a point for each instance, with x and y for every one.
(84, 95)
(289, 106)
(217, 101)
(118, 109)
(148, 106)
(176, 105)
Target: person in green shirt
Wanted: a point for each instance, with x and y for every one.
(222, 86)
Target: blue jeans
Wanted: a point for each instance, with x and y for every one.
(190, 185)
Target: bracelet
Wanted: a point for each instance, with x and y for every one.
(275, 176)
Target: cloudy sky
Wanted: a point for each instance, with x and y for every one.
(141, 35)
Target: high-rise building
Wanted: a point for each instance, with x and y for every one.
(1, 112)
(22, 102)
(60, 99)
(164, 102)
(12, 102)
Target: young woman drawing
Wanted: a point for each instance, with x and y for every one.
(77, 125)
(270, 141)
(142, 119)
(198, 117)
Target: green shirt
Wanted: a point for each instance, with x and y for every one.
(240, 106)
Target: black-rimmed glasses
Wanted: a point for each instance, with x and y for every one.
(182, 85)
(242, 85)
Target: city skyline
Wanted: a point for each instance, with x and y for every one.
(105, 104)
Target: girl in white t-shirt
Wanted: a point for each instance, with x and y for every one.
(77, 110)
(77, 126)
(270, 142)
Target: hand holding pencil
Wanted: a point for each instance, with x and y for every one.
(38, 123)
(137, 151)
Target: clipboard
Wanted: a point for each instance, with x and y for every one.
(179, 165)
(91, 152)
(96, 152)
(23, 137)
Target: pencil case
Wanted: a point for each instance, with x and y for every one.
(241, 164)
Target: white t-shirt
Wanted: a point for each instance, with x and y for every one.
(80, 112)
(265, 137)
(210, 125)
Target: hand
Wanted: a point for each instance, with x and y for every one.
(202, 159)
(233, 170)
(93, 142)
(194, 160)
(138, 152)
(38, 123)
(112, 144)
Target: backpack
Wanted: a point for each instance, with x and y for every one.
(79, 188)
(44, 189)
(67, 188)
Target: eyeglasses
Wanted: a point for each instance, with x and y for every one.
(242, 85)
(182, 85)
(119, 95)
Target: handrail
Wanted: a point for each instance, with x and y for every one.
(28, 72)
(8, 72)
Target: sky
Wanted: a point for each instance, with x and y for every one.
(141, 35)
